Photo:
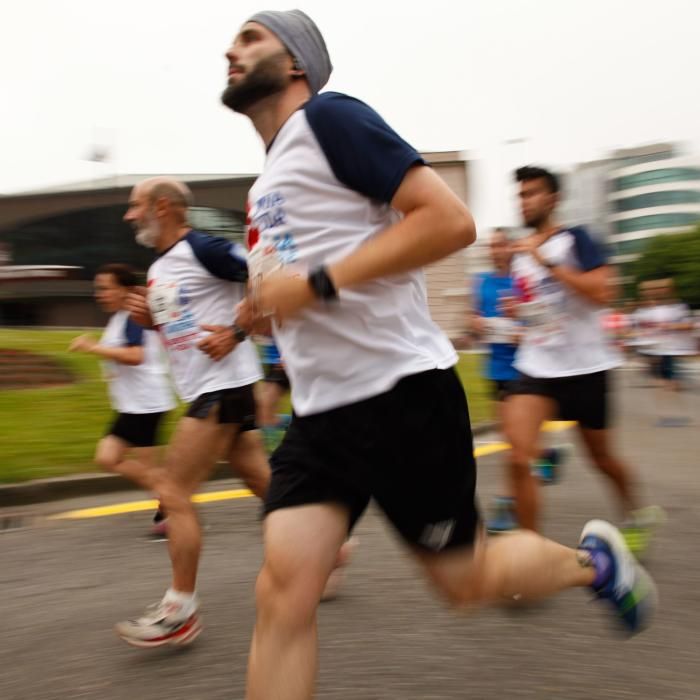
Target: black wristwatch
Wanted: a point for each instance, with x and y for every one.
(322, 285)
(238, 333)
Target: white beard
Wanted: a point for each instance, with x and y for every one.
(148, 235)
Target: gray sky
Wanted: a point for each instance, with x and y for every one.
(143, 78)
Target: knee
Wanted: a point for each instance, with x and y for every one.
(458, 594)
(173, 495)
(519, 463)
(105, 459)
(287, 601)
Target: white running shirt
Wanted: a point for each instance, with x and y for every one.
(329, 177)
(143, 388)
(199, 281)
(564, 334)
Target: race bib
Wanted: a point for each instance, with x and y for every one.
(543, 316)
(170, 310)
(164, 302)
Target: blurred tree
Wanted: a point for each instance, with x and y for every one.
(676, 256)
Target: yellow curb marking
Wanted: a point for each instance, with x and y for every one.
(231, 494)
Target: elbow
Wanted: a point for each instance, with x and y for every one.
(463, 230)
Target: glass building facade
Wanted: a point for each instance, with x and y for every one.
(81, 240)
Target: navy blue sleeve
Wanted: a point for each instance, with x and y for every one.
(364, 152)
(589, 253)
(133, 333)
(221, 257)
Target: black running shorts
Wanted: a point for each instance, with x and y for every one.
(275, 374)
(410, 449)
(235, 405)
(583, 398)
(500, 388)
(137, 429)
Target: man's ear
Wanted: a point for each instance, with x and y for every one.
(296, 67)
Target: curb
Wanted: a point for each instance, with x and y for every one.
(46, 490)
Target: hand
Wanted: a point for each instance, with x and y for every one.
(529, 245)
(83, 343)
(283, 295)
(477, 325)
(219, 343)
(137, 306)
(246, 320)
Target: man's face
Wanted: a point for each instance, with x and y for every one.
(258, 66)
(537, 202)
(141, 215)
(500, 251)
(109, 295)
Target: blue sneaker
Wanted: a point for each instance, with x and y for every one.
(503, 518)
(548, 468)
(627, 586)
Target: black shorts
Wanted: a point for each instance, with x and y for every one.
(500, 388)
(410, 449)
(138, 429)
(275, 374)
(236, 405)
(583, 398)
(665, 367)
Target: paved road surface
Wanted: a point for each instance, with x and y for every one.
(63, 583)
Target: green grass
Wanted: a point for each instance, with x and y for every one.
(52, 432)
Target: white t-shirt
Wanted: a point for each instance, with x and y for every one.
(199, 281)
(329, 177)
(143, 388)
(564, 333)
(662, 341)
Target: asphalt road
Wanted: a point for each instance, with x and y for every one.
(63, 584)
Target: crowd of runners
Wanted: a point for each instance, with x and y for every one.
(340, 222)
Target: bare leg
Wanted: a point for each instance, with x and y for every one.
(189, 459)
(524, 415)
(301, 546)
(517, 566)
(248, 459)
(141, 469)
(270, 395)
(600, 450)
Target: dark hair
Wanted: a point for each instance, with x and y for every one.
(534, 172)
(125, 275)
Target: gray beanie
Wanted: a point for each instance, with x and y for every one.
(302, 38)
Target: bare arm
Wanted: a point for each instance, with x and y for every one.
(596, 285)
(132, 355)
(435, 224)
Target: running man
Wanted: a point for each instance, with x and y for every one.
(195, 279)
(670, 325)
(347, 214)
(137, 376)
(494, 322)
(564, 358)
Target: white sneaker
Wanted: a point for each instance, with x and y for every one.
(167, 622)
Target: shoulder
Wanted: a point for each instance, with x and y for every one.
(589, 252)
(219, 256)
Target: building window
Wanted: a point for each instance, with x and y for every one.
(657, 199)
(655, 177)
(643, 223)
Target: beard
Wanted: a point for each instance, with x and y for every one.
(148, 235)
(266, 78)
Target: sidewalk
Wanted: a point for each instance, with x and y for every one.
(43, 490)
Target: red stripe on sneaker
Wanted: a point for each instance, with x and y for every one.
(180, 631)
